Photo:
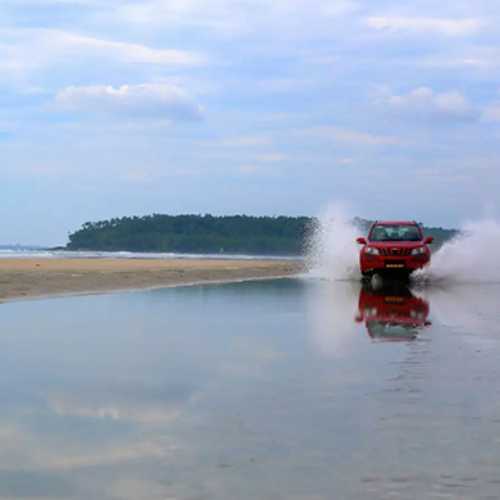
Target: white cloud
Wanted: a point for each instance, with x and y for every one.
(474, 57)
(23, 51)
(271, 158)
(491, 113)
(229, 17)
(138, 176)
(160, 100)
(441, 26)
(423, 101)
(127, 52)
(248, 140)
(282, 85)
(350, 136)
(346, 161)
(249, 169)
(51, 3)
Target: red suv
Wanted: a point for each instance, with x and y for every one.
(394, 247)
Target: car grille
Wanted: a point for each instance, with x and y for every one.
(395, 252)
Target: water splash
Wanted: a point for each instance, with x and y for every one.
(332, 249)
(471, 257)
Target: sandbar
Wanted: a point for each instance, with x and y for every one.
(39, 277)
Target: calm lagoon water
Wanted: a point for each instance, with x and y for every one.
(285, 389)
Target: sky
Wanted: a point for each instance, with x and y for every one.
(111, 108)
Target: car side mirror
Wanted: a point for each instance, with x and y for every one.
(361, 240)
(428, 240)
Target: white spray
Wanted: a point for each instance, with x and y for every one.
(471, 257)
(333, 251)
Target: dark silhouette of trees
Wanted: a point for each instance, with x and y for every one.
(207, 234)
(195, 234)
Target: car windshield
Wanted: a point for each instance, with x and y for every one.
(395, 232)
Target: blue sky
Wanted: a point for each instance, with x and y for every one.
(111, 108)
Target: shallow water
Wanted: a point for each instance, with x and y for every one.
(41, 253)
(281, 389)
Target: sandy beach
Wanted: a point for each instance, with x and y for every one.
(25, 278)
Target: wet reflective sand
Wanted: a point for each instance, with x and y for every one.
(284, 389)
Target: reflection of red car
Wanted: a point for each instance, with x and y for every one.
(394, 247)
(392, 314)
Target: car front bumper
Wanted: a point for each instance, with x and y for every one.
(371, 263)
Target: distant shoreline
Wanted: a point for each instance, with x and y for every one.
(27, 278)
(51, 253)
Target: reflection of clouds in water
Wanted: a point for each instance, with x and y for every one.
(332, 307)
(34, 484)
(33, 466)
(134, 489)
(251, 358)
(70, 406)
(115, 454)
(123, 428)
(131, 427)
(140, 404)
(24, 444)
(240, 408)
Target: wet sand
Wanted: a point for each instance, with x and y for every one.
(25, 278)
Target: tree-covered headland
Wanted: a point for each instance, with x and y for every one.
(195, 234)
(206, 234)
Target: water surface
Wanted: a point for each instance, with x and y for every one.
(282, 389)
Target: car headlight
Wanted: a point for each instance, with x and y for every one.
(418, 251)
(372, 251)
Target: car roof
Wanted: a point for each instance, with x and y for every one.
(395, 222)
